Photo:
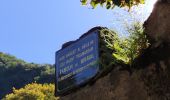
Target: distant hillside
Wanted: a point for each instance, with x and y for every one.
(17, 73)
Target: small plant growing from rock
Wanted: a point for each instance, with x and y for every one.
(126, 49)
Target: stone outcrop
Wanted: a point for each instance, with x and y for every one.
(117, 85)
(150, 78)
(158, 24)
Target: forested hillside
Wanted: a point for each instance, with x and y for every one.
(17, 73)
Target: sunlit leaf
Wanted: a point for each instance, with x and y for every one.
(109, 4)
(84, 2)
(93, 4)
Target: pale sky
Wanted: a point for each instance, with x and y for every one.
(33, 30)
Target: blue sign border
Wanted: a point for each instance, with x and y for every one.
(95, 36)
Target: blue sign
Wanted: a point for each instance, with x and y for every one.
(77, 63)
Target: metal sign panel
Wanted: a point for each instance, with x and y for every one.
(77, 63)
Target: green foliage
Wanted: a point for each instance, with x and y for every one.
(106, 42)
(131, 47)
(126, 49)
(109, 4)
(33, 91)
(17, 73)
(121, 49)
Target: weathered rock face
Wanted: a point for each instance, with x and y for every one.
(155, 67)
(118, 85)
(150, 79)
(158, 24)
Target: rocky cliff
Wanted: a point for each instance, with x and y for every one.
(149, 81)
(158, 24)
(150, 78)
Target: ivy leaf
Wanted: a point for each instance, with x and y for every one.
(117, 2)
(94, 4)
(108, 5)
(83, 2)
(111, 3)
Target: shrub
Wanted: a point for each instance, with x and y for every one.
(33, 91)
(126, 49)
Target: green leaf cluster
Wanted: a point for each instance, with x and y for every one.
(33, 91)
(127, 49)
(105, 47)
(109, 4)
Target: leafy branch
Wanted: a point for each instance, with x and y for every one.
(110, 4)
